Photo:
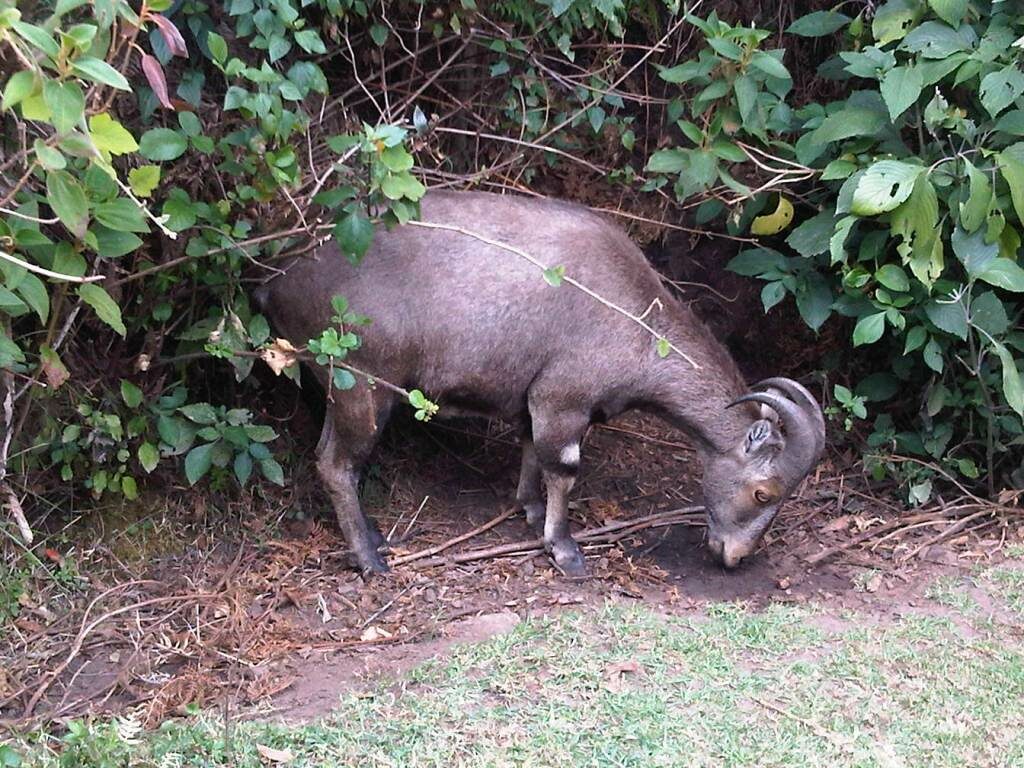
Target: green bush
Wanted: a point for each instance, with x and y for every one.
(911, 203)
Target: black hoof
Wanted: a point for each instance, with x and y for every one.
(368, 563)
(568, 559)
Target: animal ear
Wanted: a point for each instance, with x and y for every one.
(761, 435)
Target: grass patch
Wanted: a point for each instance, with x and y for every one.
(950, 591)
(622, 686)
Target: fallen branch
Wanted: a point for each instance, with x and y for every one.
(609, 533)
(457, 540)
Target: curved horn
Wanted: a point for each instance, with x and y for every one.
(801, 449)
(798, 393)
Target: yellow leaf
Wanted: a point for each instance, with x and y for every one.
(34, 108)
(109, 135)
(775, 222)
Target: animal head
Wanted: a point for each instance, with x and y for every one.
(745, 485)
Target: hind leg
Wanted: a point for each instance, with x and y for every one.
(529, 493)
(351, 428)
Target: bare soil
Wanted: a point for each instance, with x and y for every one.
(269, 618)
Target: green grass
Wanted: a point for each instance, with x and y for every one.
(624, 686)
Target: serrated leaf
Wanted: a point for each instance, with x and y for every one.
(34, 292)
(948, 316)
(900, 89)
(354, 234)
(893, 278)
(66, 103)
(243, 467)
(38, 37)
(771, 294)
(19, 86)
(272, 471)
(812, 236)
(144, 179)
(198, 462)
(1001, 88)
(99, 71)
(200, 413)
(1012, 389)
(916, 336)
(1004, 273)
(1011, 166)
(869, 329)
(161, 144)
(974, 211)
(109, 135)
(149, 456)
(67, 199)
(131, 394)
(103, 305)
(883, 187)
(989, 314)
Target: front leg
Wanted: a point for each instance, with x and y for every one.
(557, 437)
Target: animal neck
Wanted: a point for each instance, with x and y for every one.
(695, 400)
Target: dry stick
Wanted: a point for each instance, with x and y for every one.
(457, 540)
(571, 281)
(47, 272)
(950, 531)
(658, 519)
(76, 646)
(872, 532)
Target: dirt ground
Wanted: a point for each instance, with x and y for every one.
(263, 616)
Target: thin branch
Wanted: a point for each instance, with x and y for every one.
(48, 272)
(570, 280)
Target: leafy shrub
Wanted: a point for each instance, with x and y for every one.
(912, 224)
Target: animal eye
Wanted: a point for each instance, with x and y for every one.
(762, 496)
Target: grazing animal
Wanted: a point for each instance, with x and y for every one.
(476, 328)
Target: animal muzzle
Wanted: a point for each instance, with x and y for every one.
(728, 552)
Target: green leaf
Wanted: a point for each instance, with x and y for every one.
(218, 47)
(974, 212)
(131, 394)
(33, 291)
(667, 161)
(916, 336)
(950, 11)
(989, 314)
(162, 144)
(309, 41)
(111, 244)
(948, 316)
(198, 462)
(261, 433)
(1000, 89)
(149, 456)
(396, 159)
(144, 179)
(243, 467)
(67, 199)
(343, 380)
(770, 65)
(106, 308)
(272, 471)
(1012, 389)
(1004, 273)
(893, 278)
(893, 20)
(99, 71)
(884, 186)
(812, 236)
(553, 275)
(848, 122)
(814, 300)
(818, 24)
(756, 261)
(19, 86)
(900, 89)
(1011, 166)
(129, 488)
(972, 250)
(663, 347)
(200, 413)
(354, 233)
(402, 185)
(66, 102)
(121, 215)
(51, 159)
(38, 37)
(771, 294)
(917, 221)
(869, 329)
(379, 33)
